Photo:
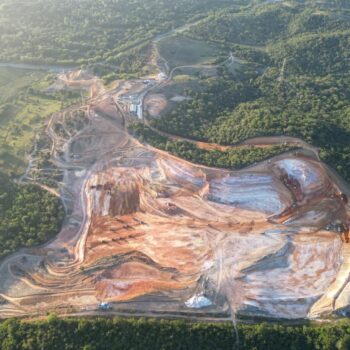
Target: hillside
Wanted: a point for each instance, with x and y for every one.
(300, 86)
(77, 32)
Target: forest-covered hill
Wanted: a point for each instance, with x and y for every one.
(77, 32)
(299, 85)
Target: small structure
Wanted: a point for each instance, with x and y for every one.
(198, 302)
(344, 198)
(133, 108)
(136, 109)
(162, 76)
(104, 306)
(139, 112)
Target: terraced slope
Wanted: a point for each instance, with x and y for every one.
(155, 235)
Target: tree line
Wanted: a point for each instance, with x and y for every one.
(233, 159)
(150, 334)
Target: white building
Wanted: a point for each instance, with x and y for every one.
(162, 76)
(139, 111)
(133, 108)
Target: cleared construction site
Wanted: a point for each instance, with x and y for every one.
(147, 233)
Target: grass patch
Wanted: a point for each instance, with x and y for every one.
(180, 86)
(24, 108)
(181, 51)
(13, 80)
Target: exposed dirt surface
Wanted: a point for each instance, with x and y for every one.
(153, 234)
(79, 79)
(156, 105)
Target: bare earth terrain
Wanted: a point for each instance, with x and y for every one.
(153, 234)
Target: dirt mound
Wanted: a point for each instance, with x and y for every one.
(111, 197)
(78, 80)
(156, 105)
(79, 75)
(108, 109)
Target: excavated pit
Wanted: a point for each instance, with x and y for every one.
(155, 235)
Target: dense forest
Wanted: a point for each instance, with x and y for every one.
(150, 334)
(29, 216)
(262, 25)
(219, 95)
(79, 32)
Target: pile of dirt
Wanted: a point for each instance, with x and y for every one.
(156, 105)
